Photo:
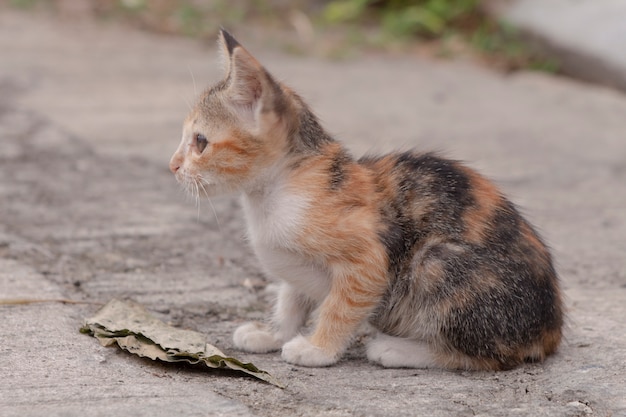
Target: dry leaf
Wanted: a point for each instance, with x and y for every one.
(133, 328)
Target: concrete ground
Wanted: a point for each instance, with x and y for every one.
(89, 115)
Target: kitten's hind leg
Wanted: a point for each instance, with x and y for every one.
(398, 352)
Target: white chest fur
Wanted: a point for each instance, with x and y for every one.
(275, 217)
(275, 220)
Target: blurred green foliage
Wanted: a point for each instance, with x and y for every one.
(377, 23)
(430, 18)
(23, 4)
(439, 20)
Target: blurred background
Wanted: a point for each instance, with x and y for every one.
(331, 28)
(75, 40)
(580, 38)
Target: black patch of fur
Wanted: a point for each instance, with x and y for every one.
(484, 321)
(337, 169)
(308, 136)
(514, 315)
(431, 176)
(505, 230)
(423, 177)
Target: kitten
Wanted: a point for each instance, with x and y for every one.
(423, 248)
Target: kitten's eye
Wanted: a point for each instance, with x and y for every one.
(201, 142)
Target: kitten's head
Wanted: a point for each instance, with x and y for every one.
(237, 133)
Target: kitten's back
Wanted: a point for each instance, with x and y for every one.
(467, 273)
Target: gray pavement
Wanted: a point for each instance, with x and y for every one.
(588, 37)
(89, 115)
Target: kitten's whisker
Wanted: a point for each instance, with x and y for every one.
(189, 188)
(217, 220)
(197, 192)
(193, 79)
(202, 182)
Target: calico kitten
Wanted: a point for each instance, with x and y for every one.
(423, 248)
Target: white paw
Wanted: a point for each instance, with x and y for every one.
(255, 338)
(300, 351)
(396, 352)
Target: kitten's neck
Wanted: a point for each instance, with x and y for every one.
(264, 184)
(307, 139)
(309, 136)
(272, 210)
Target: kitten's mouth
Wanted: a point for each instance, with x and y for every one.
(196, 186)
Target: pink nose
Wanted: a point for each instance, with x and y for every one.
(175, 163)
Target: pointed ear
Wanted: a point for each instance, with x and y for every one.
(226, 44)
(228, 41)
(250, 89)
(247, 79)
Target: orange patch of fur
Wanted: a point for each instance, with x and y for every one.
(487, 198)
(531, 237)
(230, 158)
(551, 340)
(536, 352)
(341, 232)
(456, 360)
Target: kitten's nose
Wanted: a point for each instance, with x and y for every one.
(175, 163)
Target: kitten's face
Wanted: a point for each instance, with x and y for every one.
(233, 135)
(215, 155)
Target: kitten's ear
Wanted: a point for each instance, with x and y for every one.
(247, 79)
(250, 89)
(226, 44)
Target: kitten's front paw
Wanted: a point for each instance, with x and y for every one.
(255, 338)
(300, 351)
